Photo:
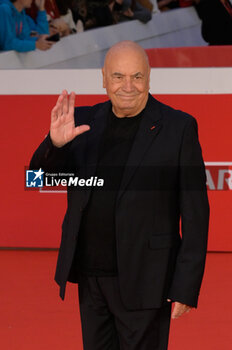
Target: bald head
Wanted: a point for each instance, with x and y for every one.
(124, 48)
(126, 77)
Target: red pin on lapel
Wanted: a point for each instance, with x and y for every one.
(153, 127)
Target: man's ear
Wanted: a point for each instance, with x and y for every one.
(103, 78)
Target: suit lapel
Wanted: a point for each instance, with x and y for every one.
(149, 128)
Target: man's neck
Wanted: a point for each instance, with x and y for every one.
(129, 113)
(126, 113)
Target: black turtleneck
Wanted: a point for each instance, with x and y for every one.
(96, 241)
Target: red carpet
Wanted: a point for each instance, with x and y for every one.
(32, 317)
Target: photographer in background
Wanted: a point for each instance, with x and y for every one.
(16, 27)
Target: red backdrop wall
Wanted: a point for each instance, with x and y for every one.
(33, 219)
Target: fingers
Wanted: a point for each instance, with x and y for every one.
(54, 115)
(65, 102)
(59, 105)
(81, 129)
(71, 104)
(179, 309)
(64, 107)
(49, 44)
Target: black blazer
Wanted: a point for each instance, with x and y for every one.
(164, 180)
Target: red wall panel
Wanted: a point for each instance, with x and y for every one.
(204, 56)
(33, 219)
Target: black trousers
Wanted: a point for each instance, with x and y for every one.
(108, 325)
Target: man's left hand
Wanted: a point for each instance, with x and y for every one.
(179, 309)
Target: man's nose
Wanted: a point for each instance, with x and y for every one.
(128, 85)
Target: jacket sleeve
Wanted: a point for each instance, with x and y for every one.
(194, 209)
(9, 41)
(41, 24)
(50, 158)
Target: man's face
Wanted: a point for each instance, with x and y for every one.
(126, 77)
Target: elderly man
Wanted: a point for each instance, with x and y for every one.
(122, 243)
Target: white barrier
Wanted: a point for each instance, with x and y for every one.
(89, 81)
(174, 28)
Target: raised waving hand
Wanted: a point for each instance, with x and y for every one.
(62, 129)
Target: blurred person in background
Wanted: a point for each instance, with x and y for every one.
(64, 8)
(216, 21)
(20, 32)
(50, 8)
(100, 13)
(228, 6)
(132, 9)
(155, 6)
(58, 25)
(149, 4)
(165, 5)
(74, 6)
(185, 3)
(96, 13)
(59, 17)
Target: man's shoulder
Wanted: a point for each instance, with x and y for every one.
(172, 115)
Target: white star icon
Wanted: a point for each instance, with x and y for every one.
(38, 174)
